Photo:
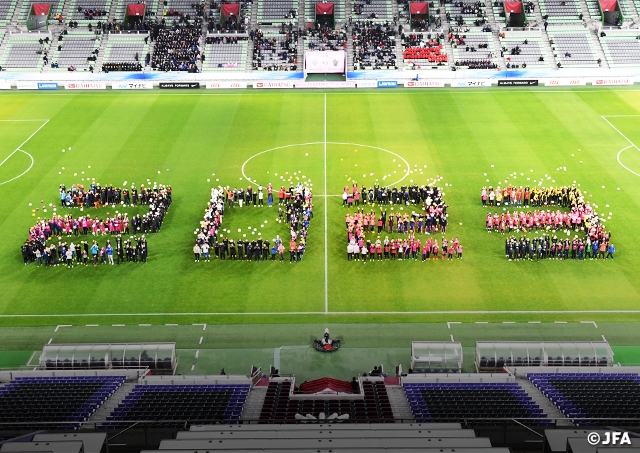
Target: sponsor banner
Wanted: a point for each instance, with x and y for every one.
(613, 81)
(424, 84)
(325, 84)
(324, 61)
(4, 85)
(132, 86)
(367, 83)
(179, 85)
(387, 84)
(27, 85)
(47, 86)
(565, 82)
(226, 85)
(518, 83)
(275, 84)
(471, 83)
(85, 86)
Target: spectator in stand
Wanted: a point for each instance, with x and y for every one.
(177, 48)
(373, 45)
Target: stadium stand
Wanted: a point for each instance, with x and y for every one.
(75, 50)
(6, 11)
(25, 53)
(423, 49)
(36, 402)
(523, 47)
(592, 395)
(122, 49)
(339, 12)
(224, 53)
(275, 51)
(325, 40)
(375, 10)
(121, 8)
(621, 48)
(88, 11)
(374, 46)
(277, 11)
(176, 9)
(561, 11)
(56, 8)
(372, 406)
(176, 49)
(196, 403)
(456, 401)
(466, 12)
(573, 47)
(473, 50)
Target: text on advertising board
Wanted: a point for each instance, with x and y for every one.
(387, 84)
(179, 85)
(262, 85)
(425, 84)
(518, 83)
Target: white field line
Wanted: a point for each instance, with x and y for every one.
(631, 144)
(279, 313)
(326, 217)
(19, 148)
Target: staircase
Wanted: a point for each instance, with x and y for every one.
(16, 14)
(399, 404)
(495, 26)
(545, 404)
(109, 406)
(101, 52)
(253, 404)
(599, 49)
(349, 50)
(65, 10)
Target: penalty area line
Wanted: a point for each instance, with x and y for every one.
(631, 144)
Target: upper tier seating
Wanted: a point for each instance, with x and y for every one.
(277, 11)
(573, 48)
(192, 403)
(374, 408)
(454, 402)
(466, 12)
(24, 53)
(339, 13)
(6, 11)
(88, 11)
(561, 11)
(121, 8)
(225, 54)
(377, 10)
(621, 48)
(592, 395)
(56, 7)
(34, 401)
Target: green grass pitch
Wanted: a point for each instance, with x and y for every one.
(196, 140)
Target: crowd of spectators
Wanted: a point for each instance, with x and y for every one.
(113, 67)
(91, 14)
(325, 38)
(177, 49)
(419, 48)
(275, 53)
(373, 46)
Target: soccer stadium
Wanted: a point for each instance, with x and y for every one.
(330, 226)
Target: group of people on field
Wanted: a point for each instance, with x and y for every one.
(295, 209)
(580, 217)
(72, 233)
(95, 195)
(430, 219)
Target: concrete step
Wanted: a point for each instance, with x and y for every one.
(545, 404)
(399, 404)
(253, 404)
(105, 410)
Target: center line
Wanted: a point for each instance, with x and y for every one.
(326, 218)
